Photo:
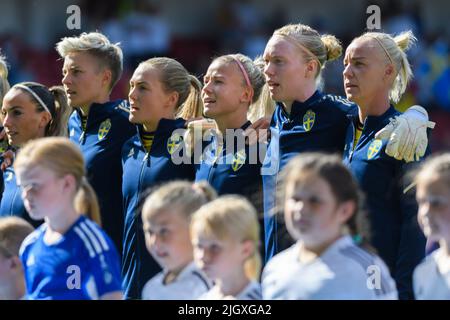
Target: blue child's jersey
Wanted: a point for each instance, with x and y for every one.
(143, 170)
(101, 143)
(11, 201)
(394, 228)
(318, 124)
(82, 265)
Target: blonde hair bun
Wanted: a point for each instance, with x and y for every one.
(332, 45)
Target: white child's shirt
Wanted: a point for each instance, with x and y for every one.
(429, 282)
(344, 271)
(188, 285)
(251, 292)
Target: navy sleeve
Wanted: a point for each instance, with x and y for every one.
(411, 250)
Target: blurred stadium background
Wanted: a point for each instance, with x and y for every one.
(194, 31)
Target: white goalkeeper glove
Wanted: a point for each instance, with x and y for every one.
(407, 134)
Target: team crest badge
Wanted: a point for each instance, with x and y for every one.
(105, 126)
(308, 120)
(173, 142)
(238, 160)
(374, 148)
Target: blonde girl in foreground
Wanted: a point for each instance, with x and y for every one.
(225, 236)
(166, 217)
(69, 256)
(328, 260)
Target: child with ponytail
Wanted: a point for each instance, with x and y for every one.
(69, 256)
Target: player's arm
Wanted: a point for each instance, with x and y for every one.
(195, 130)
(258, 131)
(411, 249)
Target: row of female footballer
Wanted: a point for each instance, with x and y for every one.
(337, 206)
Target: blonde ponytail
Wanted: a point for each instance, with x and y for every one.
(86, 202)
(404, 42)
(193, 106)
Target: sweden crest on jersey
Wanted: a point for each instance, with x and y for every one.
(238, 160)
(308, 120)
(173, 142)
(103, 130)
(374, 148)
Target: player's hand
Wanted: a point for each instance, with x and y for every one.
(258, 131)
(407, 134)
(196, 127)
(188, 121)
(8, 159)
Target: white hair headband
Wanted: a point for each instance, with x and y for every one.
(21, 86)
